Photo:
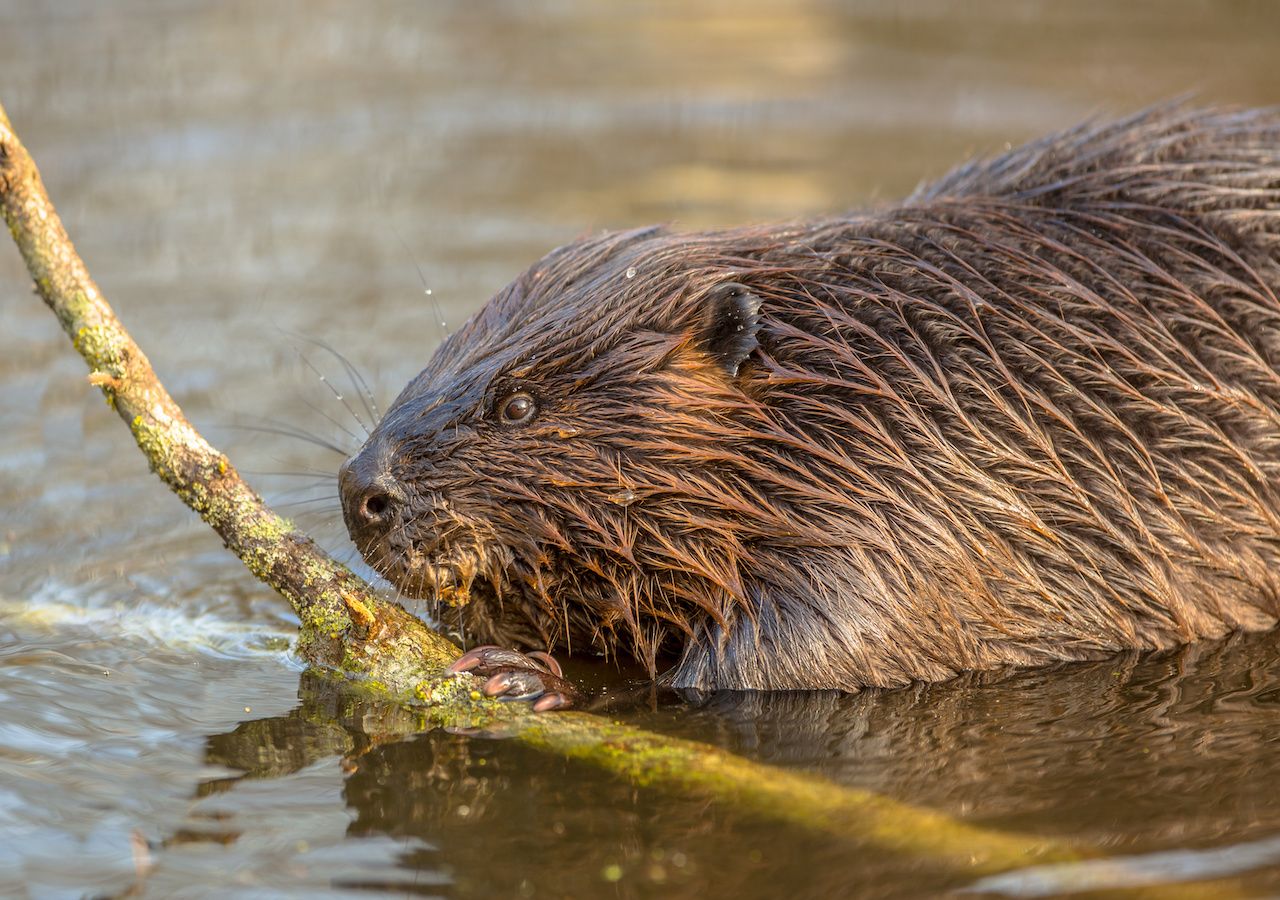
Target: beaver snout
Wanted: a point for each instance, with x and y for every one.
(371, 498)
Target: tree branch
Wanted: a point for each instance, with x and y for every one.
(346, 628)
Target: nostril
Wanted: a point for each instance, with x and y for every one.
(372, 498)
(375, 506)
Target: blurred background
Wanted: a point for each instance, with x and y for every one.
(243, 178)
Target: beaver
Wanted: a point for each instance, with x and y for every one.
(1030, 415)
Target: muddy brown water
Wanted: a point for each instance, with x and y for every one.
(242, 177)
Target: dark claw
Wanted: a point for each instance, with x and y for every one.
(496, 685)
(512, 675)
(550, 701)
(464, 663)
(548, 660)
(516, 684)
(488, 657)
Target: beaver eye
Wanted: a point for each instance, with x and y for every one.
(517, 409)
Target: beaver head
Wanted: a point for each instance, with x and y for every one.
(551, 473)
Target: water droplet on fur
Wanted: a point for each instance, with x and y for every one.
(631, 272)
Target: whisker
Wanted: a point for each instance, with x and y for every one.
(358, 381)
(336, 424)
(321, 476)
(435, 304)
(294, 432)
(324, 379)
(295, 504)
(317, 482)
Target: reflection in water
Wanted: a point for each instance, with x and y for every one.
(1133, 753)
(1126, 756)
(1151, 870)
(235, 172)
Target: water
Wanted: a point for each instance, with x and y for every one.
(242, 176)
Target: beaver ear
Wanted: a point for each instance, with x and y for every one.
(727, 325)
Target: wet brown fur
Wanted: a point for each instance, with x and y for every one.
(1032, 414)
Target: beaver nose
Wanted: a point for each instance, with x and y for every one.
(370, 496)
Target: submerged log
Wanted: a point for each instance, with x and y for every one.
(348, 630)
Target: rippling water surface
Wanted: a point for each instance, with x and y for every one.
(243, 177)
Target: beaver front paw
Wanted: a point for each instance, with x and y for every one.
(513, 675)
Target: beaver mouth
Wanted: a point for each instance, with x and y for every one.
(468, 582)
(452, 573)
